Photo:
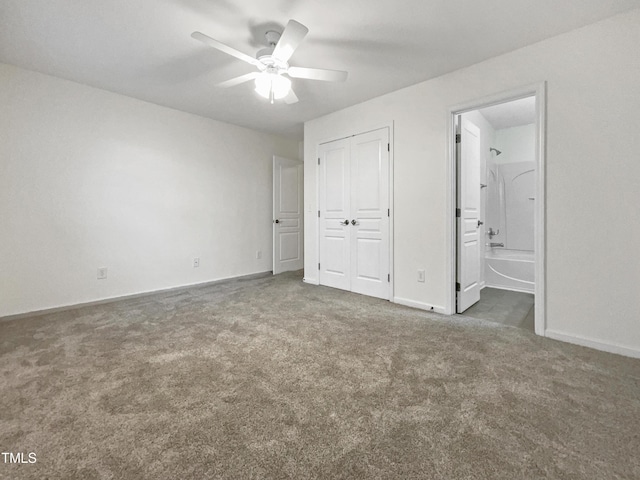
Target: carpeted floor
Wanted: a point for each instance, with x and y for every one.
(272, 378)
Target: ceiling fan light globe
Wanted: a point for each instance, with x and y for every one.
(266, 83)
(281, 86)
(263, 85)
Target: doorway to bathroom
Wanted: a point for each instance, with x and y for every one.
(497, 152)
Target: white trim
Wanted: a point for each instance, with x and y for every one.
(450, 234)
(539, 90)
(311, 281)
(273, 214)
(596, 344)
(371, 128)
(391, 213)
(540, 288)
(422, 306)
(390, 127)
(144, 293)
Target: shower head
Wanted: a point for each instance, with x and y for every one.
(498, 152)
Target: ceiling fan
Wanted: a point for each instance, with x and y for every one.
(272, 64)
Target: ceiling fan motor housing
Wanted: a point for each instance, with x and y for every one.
(270, 62)
(265, 55)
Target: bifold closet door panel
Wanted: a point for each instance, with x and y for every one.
(370, 210)
(334, 202)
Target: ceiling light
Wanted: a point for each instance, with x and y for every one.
(272, 85)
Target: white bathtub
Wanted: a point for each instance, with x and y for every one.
(509, 270)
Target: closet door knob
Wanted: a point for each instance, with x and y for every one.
(353, 222)
(346, 222)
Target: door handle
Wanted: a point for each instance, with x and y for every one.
(276, 221)
(346, 222)
(353, 222)
(480, 223)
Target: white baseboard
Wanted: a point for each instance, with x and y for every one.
(100, 301)
(422, 306)
(595, 344)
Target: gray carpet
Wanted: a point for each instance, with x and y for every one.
(272, 378)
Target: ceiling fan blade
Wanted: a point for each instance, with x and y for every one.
(238, 80)
(225, 48)
(291, 98)
(293, 34)
(318, 74)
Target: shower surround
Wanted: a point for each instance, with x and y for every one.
(510, 206)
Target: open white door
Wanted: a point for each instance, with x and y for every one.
(468, 213)
(287, 215)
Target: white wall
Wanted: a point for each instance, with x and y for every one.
(593, 111)
(92, 179)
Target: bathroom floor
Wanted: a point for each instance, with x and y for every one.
(504, 306)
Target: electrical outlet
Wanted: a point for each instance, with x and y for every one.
(421, 275)
(196, 262)
(102, 273)
(259, 254)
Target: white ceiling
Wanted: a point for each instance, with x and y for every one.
(511, 114)
(143, 48)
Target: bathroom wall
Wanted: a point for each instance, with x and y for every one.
(517, 144)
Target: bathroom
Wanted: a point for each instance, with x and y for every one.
(507, 212)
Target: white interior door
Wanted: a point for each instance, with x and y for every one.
(370, 273)
(287, 215)
(468, 213)
(354, 214)
(335, 209)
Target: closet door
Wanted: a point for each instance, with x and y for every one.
(335, 229)
(354, 214)
(370, 214)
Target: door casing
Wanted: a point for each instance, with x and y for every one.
(539, 91)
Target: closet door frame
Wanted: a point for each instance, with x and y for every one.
(389, 127)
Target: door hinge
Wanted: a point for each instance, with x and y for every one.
(388, 147)
(388, 212)
(389, 278)
(318, 213)
(458, 139)
(318, 266)
(318, 160)
(457, 212)
(457, 287)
